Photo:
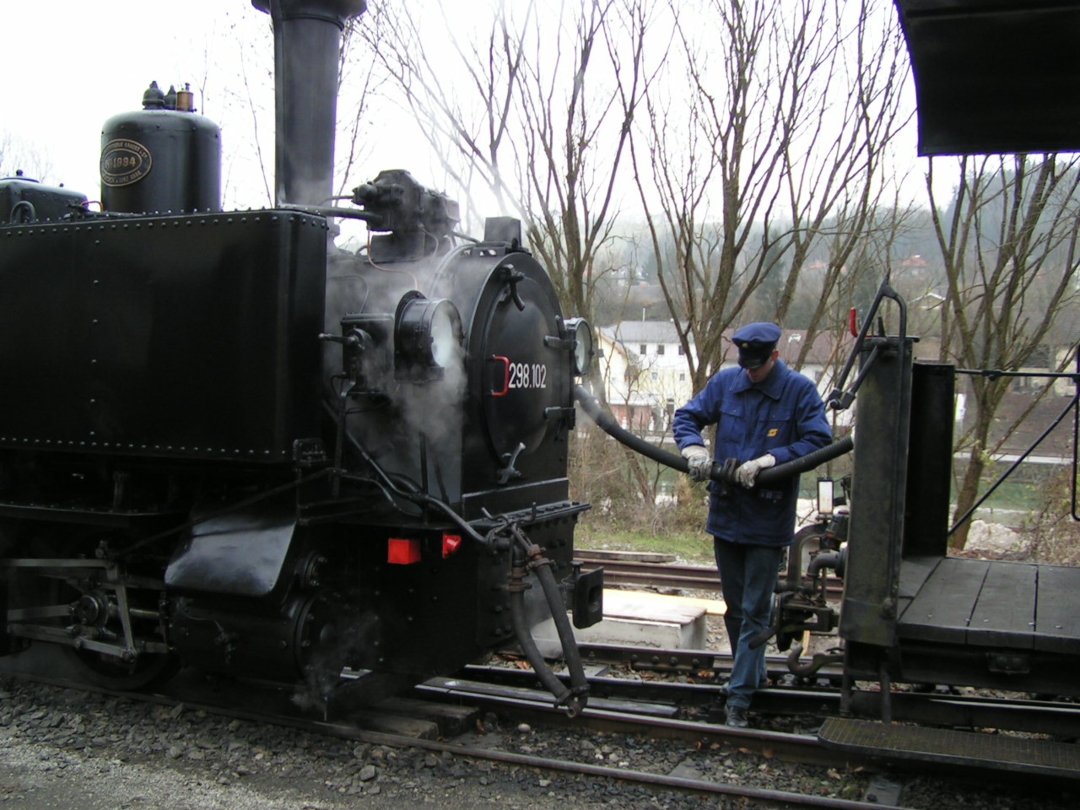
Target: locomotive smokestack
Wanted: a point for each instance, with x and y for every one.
(307, 40)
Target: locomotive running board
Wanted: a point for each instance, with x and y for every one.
(946, 747)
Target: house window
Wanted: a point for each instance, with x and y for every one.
(655, 376)
(642, 349)
(659, 348)
(681, 352)
(682, 376)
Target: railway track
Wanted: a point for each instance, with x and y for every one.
(693, 700)
(447, 708)
(263, 704)
(658, 571)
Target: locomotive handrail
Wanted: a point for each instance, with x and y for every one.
(839, 399)
(329, 211)
(719, 472)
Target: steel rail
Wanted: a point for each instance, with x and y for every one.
(1057, 718)
(342, 730)
(697, 662)
(665, 574)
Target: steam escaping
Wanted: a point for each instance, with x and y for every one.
(411, 428)
(436, 409)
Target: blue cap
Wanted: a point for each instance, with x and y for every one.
(755, 342)
(757, 333)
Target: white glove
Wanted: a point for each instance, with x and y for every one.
(698, 461)
(748, 472)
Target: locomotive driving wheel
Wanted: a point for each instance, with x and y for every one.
(115, 662)
(110, 672)
(106, 623)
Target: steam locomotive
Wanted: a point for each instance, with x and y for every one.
(226, 443)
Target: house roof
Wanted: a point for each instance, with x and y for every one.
(634, 333)
(642, 332)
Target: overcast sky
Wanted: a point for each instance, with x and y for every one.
(74, 63)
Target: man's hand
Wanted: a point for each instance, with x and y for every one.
(698, 461)
(748, 472)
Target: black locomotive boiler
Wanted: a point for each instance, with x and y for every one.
(226, 443)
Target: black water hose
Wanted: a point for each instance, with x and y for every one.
(828, 559)
(579, 684)
(767, 477)
(803, 463)
(795, 553)
(532, 652)
(811, 668)
(577, 695)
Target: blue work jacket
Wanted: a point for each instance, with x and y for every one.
(782, 415)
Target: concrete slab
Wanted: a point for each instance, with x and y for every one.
(618, 602)
(639, 617)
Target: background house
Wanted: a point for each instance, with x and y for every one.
(646, 374)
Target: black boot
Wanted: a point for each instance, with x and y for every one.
(736, 717)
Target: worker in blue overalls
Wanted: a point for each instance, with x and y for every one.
(765, 414)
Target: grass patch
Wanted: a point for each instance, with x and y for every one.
(690, 547)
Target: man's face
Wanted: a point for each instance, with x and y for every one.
(758, 374)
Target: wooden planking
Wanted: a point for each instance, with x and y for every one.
(417, 728)
(985, 603)
(913, 573)
(941, 611)
(1057, 614)
(1004, 615)
(587, 555)
(451, 719)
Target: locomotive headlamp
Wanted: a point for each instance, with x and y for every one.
(427, 337)
(580, 332)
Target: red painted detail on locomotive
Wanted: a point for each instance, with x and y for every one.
(450, 544)
(402, 551)
(506, 375)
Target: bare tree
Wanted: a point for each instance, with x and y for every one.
(17, 156)
(250, 100)
(1009, 243)
(359, 80)
(540, 118)
(781, 141)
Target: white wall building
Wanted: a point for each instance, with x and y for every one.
(646, 374)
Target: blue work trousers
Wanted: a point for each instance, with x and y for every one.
(748, 575)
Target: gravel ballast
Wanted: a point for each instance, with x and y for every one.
(69, 750)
